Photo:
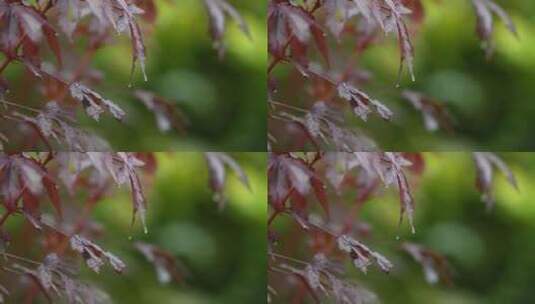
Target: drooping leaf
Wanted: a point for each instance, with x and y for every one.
(435, 114)
(218, 10)
(292, 26)
(485, 163)
(24, 25)
(361, 103)
(484, 10)
(93, 103)
(167, 115)
(361, 255)
(164, 262)
(95, 257)
(434, 265)
(217, 162)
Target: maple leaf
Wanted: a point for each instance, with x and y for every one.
(287, 174)
(93, 103)
(293, 26)
(217, 161)
(434, 265)
(121, 167)
(124, 170)
(95, 257)
(23, 24)
(218, 10)
(390, 16)
(22, 176)
(389, 167)
(361, 255)
(361, 103)
(164, 263)
(167, 116)
(121, 15)
(57, 123)
(347, 293)
(485, 164)
(435, 114)
(485, 23)
(338, 14)
(3, 293)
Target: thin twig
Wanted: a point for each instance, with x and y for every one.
(16, 257)
(288, 258)
(20, 106)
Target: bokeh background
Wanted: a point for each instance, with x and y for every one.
(491, 254)
(491, 101)
(224, 100)
(224, 252)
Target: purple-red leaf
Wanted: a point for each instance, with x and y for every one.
(216, 166)
(95, 257)
(217, 10)
(93, 103)
(485, 164)
(52, 190)
(164, 262)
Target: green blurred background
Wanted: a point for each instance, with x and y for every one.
(223, 252)
(491, 101)
(223, 99)
(492, 254)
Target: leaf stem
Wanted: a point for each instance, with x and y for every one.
(4, 217)
(284, 257)
(4, 65)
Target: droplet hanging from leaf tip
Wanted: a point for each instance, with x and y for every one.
(145, 230)
(400, 71)
(411, 223)
(144, 74)
(398, 230)
(410, 67)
